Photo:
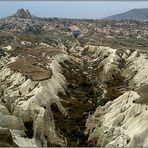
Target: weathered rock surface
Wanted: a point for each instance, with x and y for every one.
(27, 103)
(29, 100)
(123, 122)
(21, 13)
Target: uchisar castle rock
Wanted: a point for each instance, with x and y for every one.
(58, 89)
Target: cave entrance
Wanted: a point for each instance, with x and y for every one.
(29, 129)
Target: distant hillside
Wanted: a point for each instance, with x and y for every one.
(134, 14)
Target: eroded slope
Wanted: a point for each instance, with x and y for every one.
(53, 94)
(123, 122)
(30, 99)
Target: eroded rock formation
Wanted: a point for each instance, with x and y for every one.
(30, 100)
(123, 122)
(98, 87)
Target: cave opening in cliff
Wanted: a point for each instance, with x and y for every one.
(29, 129)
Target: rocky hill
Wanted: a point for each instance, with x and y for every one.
(24, 14)
(58, 90)
(134, 14)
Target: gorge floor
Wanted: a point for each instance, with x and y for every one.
(81, 100)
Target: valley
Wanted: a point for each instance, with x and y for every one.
(63, 89)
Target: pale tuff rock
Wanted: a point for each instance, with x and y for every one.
(137, 68)
(44, 44)
(20, 140)
(11, 122)
(109, 60)
(124, 123)
(4, 110)
(23, 142)
(25, 43)
(30, 101)
(8, 48)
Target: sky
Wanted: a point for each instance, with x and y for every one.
(73, 9)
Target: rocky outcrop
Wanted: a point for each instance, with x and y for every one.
(122, 122)
(22, 13)
(20, 25)
(119, 123)
(111, 82)
(29, 101)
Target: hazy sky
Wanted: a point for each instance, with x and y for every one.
(73, 9)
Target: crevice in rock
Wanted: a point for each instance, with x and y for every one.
(29, 129)
(80, 101)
